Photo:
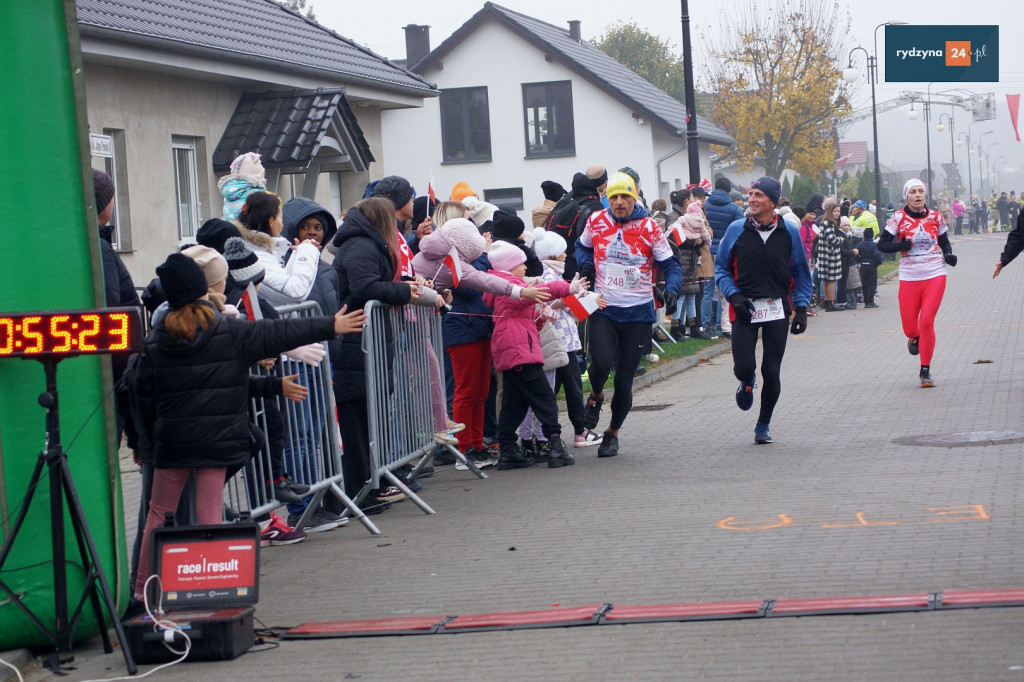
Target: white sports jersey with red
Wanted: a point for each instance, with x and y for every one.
(624, 256)
(924, 260)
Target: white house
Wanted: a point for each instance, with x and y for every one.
(178, 88)
(523, 101)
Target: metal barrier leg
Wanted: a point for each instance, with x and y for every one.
(416, 499)
(353, 509)
(462, 458)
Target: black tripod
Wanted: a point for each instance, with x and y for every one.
(96, 585)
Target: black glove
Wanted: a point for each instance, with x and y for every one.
(905, 244)
(799, 325)
(671, 298)
(743, 306)
(950, 259)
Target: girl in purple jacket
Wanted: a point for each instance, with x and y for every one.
(516, 350)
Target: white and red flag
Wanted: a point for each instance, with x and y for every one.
(581, 305)
(1013, 102)
(252, 306)
(454, 266)
(677, 235)
(430, 189)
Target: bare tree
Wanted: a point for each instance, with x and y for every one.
(299, 6)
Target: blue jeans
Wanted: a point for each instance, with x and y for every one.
(708, 304)
(687, 304)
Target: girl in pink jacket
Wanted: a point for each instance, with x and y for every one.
(516, 350)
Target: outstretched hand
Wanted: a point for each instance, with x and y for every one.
(535, 293)
(347, 323)
(293, 391)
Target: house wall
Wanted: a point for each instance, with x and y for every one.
(151, 108)
(606, 131)
(675, 170)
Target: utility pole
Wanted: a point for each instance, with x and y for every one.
(692, 148)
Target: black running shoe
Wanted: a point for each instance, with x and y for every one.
(926, 380)
(745, 395)
(609, 446)
(592, 411)
(912, 346)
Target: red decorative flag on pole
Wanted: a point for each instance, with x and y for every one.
(454, 266)
(252, 306)
(430, 189)
(581, 305)
(1013, 101)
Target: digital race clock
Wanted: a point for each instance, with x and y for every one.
(78, 332)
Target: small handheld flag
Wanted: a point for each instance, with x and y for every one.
(252, 306)
(581, 305)
(677, 235)
(454, 266)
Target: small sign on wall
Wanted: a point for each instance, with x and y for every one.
(101, 145)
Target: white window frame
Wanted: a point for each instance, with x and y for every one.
(186, 185)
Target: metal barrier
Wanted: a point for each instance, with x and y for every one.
(312, 451)
(402, 348)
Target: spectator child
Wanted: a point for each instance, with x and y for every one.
(246, 176)
(515, 347)
(869, 258)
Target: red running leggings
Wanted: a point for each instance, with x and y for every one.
(919, 303)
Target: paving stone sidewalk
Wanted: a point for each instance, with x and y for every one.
(692, 510)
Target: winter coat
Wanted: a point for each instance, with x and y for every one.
(429, 262)
(540, 214)
(694, 228)
(830, 252)
(117, 282)
(472, 322)
(552, 346)
(721, 213)
(869, 255)
(566, 324)
(194, 395)
(807, 237)
(516, 338)
(853, 276)
(365, 273)
(325, 285)
(283, 283)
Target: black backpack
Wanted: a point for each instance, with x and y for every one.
(567, 218)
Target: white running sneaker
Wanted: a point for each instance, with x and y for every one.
(587, 438)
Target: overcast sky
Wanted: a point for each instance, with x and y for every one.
(902, 141)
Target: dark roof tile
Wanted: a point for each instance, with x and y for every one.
(244, 29)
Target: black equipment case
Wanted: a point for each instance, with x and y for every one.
(209, 585)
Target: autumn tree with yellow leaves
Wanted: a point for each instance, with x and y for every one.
(776, 84)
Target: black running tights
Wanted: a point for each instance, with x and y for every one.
(773, 346)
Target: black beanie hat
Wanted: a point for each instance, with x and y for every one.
(104, 188)
(723, 184)
(552, 190)
(215, 232)
(505, 225)
(395, 188)
(421, 208)
(182, 279)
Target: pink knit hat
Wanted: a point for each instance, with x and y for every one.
(465, 237)
(505, 256)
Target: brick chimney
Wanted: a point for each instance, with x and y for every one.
(574, 30)
(417, 44)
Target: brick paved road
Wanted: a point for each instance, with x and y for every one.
(867, 516)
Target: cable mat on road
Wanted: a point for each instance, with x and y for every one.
(661, 613)
(405, 625)
(966, 599)
(516, 620)
(921, 601)
(624, 614)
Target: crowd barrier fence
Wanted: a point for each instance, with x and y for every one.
(403, 350)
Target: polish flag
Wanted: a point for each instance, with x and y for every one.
(454, 266)
(581, 305)
(841, 161)
(430, 190)
(677, 235)
(705, 184)
(252, 306)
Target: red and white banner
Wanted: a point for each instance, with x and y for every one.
(252, 306)
(1013, 101)
(677, 235)
(454, 266)
(581, 306)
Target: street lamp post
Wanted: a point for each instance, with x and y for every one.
(983, 180)
(952, 152)
(692, 147)
(850, 74)
(970, 180)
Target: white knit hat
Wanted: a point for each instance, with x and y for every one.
(547, 245)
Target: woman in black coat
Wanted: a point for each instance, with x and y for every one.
(193, 390)
(366, 262)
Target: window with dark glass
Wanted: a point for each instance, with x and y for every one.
(547, 115)
(465, 125)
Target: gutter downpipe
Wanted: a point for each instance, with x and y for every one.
(666, 157)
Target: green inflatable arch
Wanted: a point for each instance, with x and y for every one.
(51, 261)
